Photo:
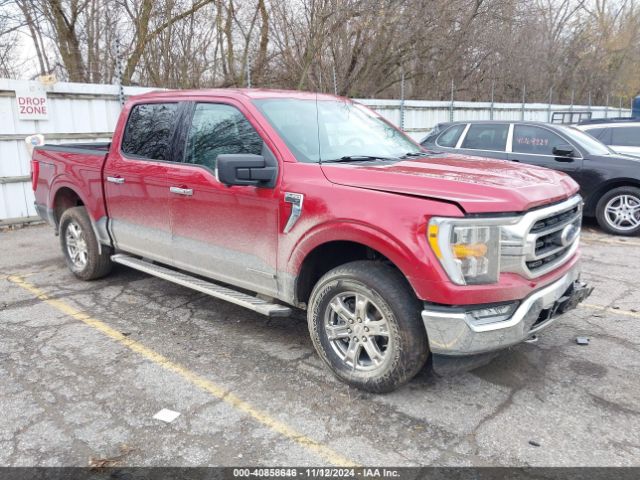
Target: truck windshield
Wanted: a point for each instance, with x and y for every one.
(329, 130)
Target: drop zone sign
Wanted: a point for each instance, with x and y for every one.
(32, 104)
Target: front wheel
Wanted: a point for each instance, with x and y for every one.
(365, 324)
(618, 211)
(80, 246)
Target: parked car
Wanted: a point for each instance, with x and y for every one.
(276, 200)
(622, 136)
(609, 182)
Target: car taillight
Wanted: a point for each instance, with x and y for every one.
(35, 173)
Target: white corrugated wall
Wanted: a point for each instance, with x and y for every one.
(81, 112)
(77, 113)
(420, 116)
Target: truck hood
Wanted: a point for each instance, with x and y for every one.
(477, 185)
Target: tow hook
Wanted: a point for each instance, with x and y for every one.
(532, 339)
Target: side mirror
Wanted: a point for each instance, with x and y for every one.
(564, 150)
(245, 169)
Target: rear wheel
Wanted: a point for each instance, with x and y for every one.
(365, 324)
(618, 211)
(80, 246)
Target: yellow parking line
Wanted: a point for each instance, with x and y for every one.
(210, 387)
(611, 241)
(611, 310)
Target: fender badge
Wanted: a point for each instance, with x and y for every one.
(295, 199)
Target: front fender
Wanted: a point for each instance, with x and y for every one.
(409, 261)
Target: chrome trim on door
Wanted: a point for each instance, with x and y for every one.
(509, 144)
(181, 191)
(462, 136)
(115, 179)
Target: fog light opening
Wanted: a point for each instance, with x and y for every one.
(495, 313)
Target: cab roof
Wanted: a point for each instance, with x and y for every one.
(236, 93)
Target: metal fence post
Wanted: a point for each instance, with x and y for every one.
(402, 100)
(606, 108)
(620, 108)
(335, 83)
(589, 107)
(549, 107)
(493, 84)
(573, 93)
(524, 96)
(119, 73)
(451, 104)
(248, 67)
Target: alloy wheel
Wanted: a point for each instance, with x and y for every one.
(357, 330)
(76, 245)
(622, 212)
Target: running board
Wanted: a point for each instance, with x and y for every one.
(244, 300)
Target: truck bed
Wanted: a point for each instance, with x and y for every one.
(76, 166)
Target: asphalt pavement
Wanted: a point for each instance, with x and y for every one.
(85, 366)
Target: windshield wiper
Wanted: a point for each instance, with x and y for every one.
(415, 154)
(359, 158)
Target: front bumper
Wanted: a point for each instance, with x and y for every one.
(454, 332)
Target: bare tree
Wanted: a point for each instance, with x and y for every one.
(565, 48)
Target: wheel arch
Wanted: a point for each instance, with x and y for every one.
(65, 197)
(323, 250)
(594, 198)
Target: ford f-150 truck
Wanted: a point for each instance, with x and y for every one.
(276, 200)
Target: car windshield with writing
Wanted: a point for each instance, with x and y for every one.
(334, 130)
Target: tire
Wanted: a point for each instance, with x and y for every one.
(401, 349)
(80, 246)
(618, 211)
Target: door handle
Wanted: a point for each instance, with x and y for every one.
(181, 191)
(115, 179)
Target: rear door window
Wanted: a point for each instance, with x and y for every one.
(625, 136)
(535, 140)
(486, 137)
(149, 130)
(218, 129)
(449, 138)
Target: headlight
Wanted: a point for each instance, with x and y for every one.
(469, 250)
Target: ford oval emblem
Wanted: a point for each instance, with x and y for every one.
(569, 234)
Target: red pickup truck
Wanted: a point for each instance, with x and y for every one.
(276, 200)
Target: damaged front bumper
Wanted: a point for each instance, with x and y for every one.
(461, 332)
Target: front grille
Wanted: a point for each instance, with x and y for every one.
(534, 265)
(553, 220)
(550, 249)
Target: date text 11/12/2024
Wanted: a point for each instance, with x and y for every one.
(316, 472)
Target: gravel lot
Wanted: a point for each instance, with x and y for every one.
(84, 370)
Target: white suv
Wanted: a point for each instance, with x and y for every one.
(622, 137)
